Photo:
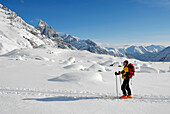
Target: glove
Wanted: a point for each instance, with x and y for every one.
(117, 73)
(123, 77)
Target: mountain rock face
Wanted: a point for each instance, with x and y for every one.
(46, 30)
(163, 55)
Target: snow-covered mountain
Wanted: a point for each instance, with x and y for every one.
(163, 55)
(15, 33)
(138, 52)
(46, 29)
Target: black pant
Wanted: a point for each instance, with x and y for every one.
(125, 86)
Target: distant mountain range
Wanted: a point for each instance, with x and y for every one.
(139, 52)
(15, 33)
(163, 55)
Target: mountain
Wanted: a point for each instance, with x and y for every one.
(138, 52)
(88, 45)
(69, 38)
(46, 29)
(15, 33)
(163, 55)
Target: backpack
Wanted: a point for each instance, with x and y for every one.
(131, 70)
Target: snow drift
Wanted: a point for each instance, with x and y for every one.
(79, 77)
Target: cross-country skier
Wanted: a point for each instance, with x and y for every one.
(125, 86)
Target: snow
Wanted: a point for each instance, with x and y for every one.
(96, 68)
(71, 59)
(74, 67)
(38, 78)
(66, 63)
(79, 77)
(107, 63)
(148, 69)
(41, 86)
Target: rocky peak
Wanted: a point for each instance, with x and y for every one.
(46, 30)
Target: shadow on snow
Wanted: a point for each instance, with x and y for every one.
(62, 98)
(71, 98)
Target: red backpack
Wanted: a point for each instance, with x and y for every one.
(131, 70)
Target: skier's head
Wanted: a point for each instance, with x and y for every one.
(125, 63)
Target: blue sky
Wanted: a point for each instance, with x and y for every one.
(105, 21)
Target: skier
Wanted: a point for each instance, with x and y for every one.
(125, 75)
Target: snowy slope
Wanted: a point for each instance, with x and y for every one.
(43, 81)
(15, 33)
(163, 55)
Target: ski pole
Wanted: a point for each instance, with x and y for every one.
(120, 80)
(116, 87)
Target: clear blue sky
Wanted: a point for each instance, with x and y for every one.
(106, 21)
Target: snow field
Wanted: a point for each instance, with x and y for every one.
(42, 86)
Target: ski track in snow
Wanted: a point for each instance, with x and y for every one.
(79, 95)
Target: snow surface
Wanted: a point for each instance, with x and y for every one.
(38, 79)
(44, 86)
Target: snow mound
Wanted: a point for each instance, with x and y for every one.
(117, 64)
(71, 59)
(16, 52)
(162, 71)
(79, 77)
(169, 69)
(25, 54)
(107, 63)
(20, 58)
(74, 67)
(41, 58)
(144, 69)
(137, 66)
(66, 63)
(96, 67)
(146, 65)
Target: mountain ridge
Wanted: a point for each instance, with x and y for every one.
(163, 55)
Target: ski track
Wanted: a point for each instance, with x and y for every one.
(81, 94)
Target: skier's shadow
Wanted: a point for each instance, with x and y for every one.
(71, 98)
(62, 98)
